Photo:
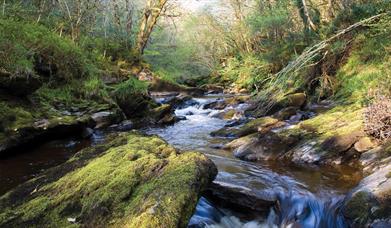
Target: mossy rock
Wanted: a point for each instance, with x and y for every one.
(359, 206)
(226, 114)
(371, 200)
(237, 100)
(265, 145)
(335, 131)
(135, 105)
(130, 181)
(161, 111)
(296, 100)
(241, 141)
(286, 113)
(260, 124)
(159, 85)
(35, 133)
(364, 144)
(340, 120)
(161, 115)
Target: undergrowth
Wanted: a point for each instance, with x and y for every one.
(24, 47)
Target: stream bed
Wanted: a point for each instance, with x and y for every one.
(306, 196)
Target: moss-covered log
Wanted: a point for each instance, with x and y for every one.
(130, 181)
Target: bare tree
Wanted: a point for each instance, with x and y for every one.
(150, 16)
(307, 16)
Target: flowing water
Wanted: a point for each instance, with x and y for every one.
(307, 196)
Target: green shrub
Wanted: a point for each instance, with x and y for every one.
(131, 86)
(94, 87)
(166, 76)
(23, 43)
(250, 72)
(368, 68)
(12, 118)
(108, 48)
(64, 95)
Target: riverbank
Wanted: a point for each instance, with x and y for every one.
(320, 135)
(310, 147)
(263, 182)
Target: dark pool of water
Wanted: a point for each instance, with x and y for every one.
(26, 165)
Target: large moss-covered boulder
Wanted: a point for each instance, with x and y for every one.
(24, 123)
(129, 181)
(330, 137)
(295, 100)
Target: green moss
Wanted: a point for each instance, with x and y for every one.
(255, 125)
(368, 68)
(229, 114)
(22, 43)
(338, 121)
(294, 132)
(143, 183)
(251, 127)
(236, 100)
(358, 207)
(130, 87)
(12, 118)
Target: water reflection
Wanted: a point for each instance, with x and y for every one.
(25, 166)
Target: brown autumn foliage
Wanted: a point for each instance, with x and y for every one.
(378, 118)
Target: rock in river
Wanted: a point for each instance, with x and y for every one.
(370, 203)
(260, 146)
(239, 197)
(261, 124)
(129, 181)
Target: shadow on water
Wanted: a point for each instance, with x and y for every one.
(23, 166)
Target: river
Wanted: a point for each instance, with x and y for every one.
(306, 196)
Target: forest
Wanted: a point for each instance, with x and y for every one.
(195, 113)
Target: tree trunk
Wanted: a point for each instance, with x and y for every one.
(3, 7)
(310, 24)
(129, 17)
(330, 13)
(117, 18)
(149, 19)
